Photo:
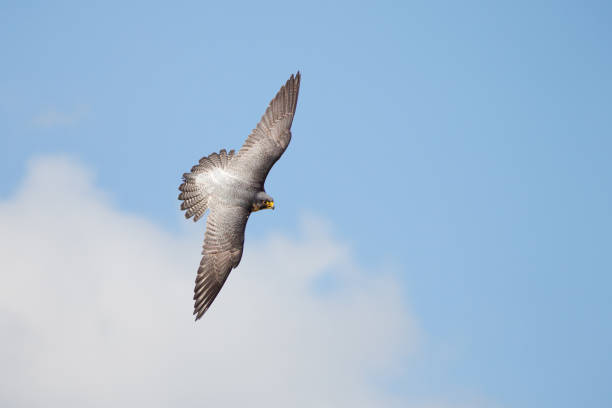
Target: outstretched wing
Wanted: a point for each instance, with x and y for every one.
(270, 138)
(222, 251)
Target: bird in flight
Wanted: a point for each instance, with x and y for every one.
(231, 186)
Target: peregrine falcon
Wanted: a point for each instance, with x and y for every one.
(231, 186)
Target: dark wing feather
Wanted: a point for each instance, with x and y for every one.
(270, 138)
(222, 251)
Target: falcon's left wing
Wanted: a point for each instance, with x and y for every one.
(222, 251)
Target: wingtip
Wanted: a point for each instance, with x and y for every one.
(199, 313)
(295, 77)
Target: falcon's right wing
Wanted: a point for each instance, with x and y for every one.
(270, 138)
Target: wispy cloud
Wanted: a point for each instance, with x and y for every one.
(95, 309)
(52, 117)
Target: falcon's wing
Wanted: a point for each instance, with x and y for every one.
(222, 252)
(270, 138)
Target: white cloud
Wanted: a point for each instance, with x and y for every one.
(95, 310)
(52, 117)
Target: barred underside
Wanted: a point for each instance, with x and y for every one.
(193, 193)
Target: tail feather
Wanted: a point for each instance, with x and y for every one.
(193, 192)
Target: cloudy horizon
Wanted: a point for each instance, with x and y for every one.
(106, 320)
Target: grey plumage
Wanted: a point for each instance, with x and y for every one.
(231, 186)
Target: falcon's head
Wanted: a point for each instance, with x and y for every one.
(262, 202)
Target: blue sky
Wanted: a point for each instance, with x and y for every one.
(464, 145)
